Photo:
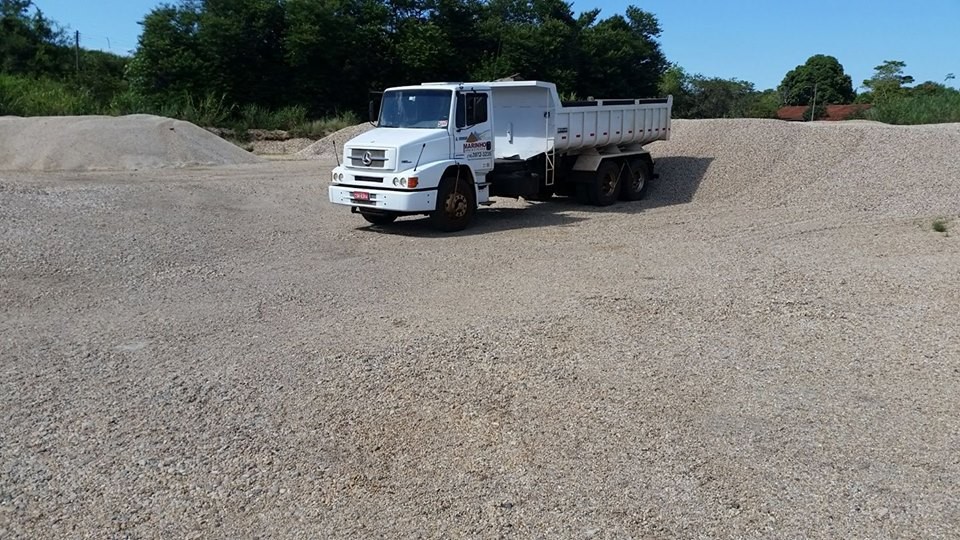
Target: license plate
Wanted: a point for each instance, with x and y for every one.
(360, 196)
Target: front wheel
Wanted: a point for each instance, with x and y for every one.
(378, 218)
(456, 205)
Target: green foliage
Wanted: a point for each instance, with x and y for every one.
(276, 63)
(888, 81)
(323, 127)
(30, 43)
(329, 54)
(621, 57)
(210, 110)
(920, 108)
(22, 95)
(940, 225)
(764, 104)
(720, 98)
(676, 82)
(696, 96)
(820, 72)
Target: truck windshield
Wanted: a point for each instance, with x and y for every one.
(423, 109)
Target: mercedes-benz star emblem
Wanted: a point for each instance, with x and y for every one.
(367, 159)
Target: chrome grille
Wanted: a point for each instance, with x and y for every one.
(361, 157)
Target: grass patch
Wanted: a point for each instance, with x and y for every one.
(27, 96)
(913, 110)
(940, 225)
(317, 129)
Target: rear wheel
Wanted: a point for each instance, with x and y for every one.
(456, 205)
(604, 188)
(378, 218)
(635, 179)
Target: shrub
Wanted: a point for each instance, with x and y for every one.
(321, 128)
(28, 96)
(917, 109)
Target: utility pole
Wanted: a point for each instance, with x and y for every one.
(813, 109)
(76, 49)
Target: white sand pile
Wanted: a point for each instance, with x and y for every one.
(839, 166)
(323, 149)
(90, 143)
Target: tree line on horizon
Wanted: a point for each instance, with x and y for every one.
(280, 62)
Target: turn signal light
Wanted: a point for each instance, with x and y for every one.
(412, 182)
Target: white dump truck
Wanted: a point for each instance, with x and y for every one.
(444, 149)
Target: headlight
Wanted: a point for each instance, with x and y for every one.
(340, 177)
(396, 181)
(334, 177)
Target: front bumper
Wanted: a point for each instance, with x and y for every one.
(385, 200)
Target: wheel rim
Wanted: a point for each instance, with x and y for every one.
(456, 205)
(638, 180)
(609, 184)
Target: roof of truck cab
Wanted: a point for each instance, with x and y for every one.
(480, 84)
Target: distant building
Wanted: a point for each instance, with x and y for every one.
(801, 113)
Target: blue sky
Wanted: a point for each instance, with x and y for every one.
(753, 40)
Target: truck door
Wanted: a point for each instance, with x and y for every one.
(474, 130)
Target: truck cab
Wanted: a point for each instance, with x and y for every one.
(444, 149)
(427, 137)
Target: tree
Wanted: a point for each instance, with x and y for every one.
(331, 47)
(169, 62)
(537, 39)
(888, 81)
(621, 56)
(30, 44)
(930, 88)
(821, 72)
(764, 104)
(714, 97)
(328, 54)
(696, 96)
(675, 82)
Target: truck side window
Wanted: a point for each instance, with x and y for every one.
(476, 109)
(471, 109)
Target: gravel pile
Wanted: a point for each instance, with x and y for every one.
(92, 143)
(277, 148)
(324, 148)
(836, 166)
(222, 353)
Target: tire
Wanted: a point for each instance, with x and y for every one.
(604, 188)
(635, 179)
(377, 218)
(456, 205)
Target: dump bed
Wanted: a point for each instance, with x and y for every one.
(615, 121)
(529, 119)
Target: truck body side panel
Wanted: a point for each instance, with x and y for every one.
(521, 124)
(641, 122)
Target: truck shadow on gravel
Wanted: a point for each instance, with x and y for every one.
(488, 220)
(679, 180)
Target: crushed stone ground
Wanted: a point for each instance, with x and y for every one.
(765, 347)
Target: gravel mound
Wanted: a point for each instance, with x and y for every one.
(902, 170)
(96, 143)
(280, 148)
(324, 148)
